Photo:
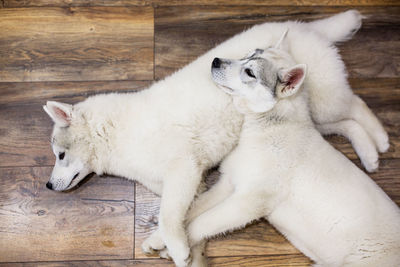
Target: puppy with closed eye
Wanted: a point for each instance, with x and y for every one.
(283, 170)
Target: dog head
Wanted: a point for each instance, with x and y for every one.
(261, 78)
(69, 147)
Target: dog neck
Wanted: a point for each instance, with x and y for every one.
(291, 110)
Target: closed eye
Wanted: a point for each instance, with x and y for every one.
(249, 72)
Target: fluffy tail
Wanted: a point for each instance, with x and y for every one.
(340, 27)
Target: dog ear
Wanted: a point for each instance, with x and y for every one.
(290, 80)
(60, 113)
(282, 43)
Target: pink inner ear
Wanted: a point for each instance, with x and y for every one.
(294, 77)
(61, 114)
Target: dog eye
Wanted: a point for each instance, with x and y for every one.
(250, 73)
(61, 155)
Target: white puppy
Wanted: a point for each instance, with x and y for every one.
(283, 170)
(165, 137)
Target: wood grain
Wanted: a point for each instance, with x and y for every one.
(184, 33)
(76, 44)
(35, 3)
(249, 261)
(76, 48)
(81, 224)
(18, 93)
(257, 239)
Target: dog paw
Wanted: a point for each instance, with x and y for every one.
(371, 163)
(382, 142)
(153, 244)
(164, 254)
(183, 261)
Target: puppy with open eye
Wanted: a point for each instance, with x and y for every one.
(333, 106)
(283, 170)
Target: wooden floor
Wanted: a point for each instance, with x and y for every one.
(66, 50)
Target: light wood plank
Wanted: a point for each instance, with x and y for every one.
(30, 3)
(184, 33)
(37, 224)
(76, 44)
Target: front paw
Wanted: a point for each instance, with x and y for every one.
(181, 260)
(199, 261)
(153, 244)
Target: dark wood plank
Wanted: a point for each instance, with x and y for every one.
(73, 3)
(92, 222)
(25, 92)
(76, 44)
(184, 33)
(30, 3)
(257, 239)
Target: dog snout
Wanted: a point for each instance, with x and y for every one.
(49, 185)
(216, 63)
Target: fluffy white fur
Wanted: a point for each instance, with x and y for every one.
(283, 170)
(165, 137)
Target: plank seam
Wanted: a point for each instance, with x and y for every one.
(134, 220)
(108, 200)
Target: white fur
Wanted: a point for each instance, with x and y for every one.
(283, 170)
(165, 137)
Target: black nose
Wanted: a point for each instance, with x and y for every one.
(216, 63)
(49, 185)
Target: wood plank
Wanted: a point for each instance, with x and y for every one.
(78, 225)
(184, 33)
(73, 3)
(63, 3)
(64, 91)
(257, 239)
(76, 44)
(25, 128)
(248, 261)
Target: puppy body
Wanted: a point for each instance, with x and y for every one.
(166, 136)
(283, 170)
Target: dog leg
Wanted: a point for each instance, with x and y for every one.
(361, 141)
(233, 213)
(217, 193)
(179, 189)
(199, 256)
(364, 116)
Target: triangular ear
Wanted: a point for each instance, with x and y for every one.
(282, 43)
(290, 80)
(60, 113)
